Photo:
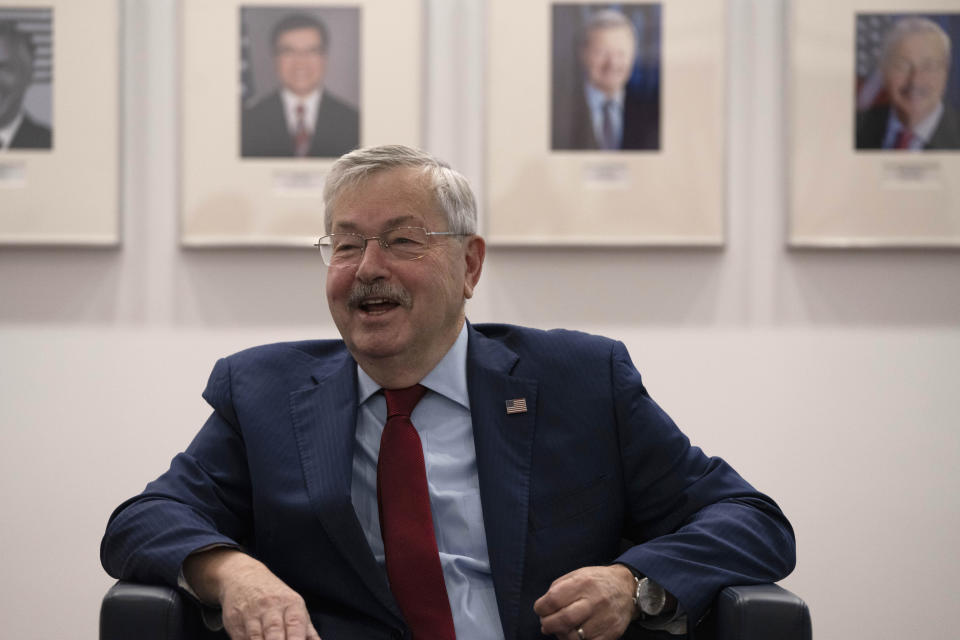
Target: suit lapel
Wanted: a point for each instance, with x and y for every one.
(274, 129)
(947, 133)
(324, 417)
(504, 444)
(586, 136)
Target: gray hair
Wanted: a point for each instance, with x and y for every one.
(908, 26)
(606, 19)
(449, 188)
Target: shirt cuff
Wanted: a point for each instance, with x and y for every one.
(210, 614)
(675, 624)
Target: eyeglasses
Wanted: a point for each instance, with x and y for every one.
(344, 250)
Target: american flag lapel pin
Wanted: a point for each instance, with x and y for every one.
(517, 405)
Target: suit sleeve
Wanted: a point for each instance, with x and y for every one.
(202, 500)
(698, 525)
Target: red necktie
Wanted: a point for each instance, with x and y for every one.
(904, 139)
(413, 561)
(301, 137)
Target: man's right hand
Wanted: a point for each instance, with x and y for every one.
(256, 604)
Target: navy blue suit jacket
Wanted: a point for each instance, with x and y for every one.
(572, 125)
(593, 461)
(264, 133)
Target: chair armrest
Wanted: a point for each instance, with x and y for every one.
(761, 612)
(151, 612)
(131, 611)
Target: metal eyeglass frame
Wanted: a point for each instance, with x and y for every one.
(383, 245)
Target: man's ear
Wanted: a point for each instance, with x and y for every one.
(474, 250)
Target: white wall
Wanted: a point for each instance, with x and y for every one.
(827, 378)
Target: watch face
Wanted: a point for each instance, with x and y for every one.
(652, 597)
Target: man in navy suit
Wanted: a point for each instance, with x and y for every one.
(17, 129)
(916, 64)
(538, 453)
(302, 118)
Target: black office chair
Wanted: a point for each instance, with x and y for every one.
(147, 612)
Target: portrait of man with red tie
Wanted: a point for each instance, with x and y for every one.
(429, 478)
(301, 116)
(606, 78)
(908, 101)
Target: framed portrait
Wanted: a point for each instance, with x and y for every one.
(605, 123)
(273, 93)
(59, 119)
(875, 125)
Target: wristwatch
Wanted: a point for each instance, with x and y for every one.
(649, 598)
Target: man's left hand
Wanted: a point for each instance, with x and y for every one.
(596, 600)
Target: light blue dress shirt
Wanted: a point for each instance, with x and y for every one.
(442, 419)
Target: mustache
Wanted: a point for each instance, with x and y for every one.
(364, 291)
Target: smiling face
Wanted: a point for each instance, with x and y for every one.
(607, 57)
(16, 68)
(399, 317)
(300, 60)
(915, 73)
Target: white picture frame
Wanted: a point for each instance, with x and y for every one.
(228, 199)
(671, 195)
(840, 193)
(66, 189)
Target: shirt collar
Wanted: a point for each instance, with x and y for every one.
(8, 132)
(309, 102)
(448, 378)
